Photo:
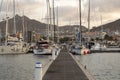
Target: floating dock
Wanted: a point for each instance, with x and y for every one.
(64, 68)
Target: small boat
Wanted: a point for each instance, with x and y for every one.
(43, 47)
(32, 46)
(78, 50)
(75, 49)
(85, 51)
(14, 46)
(98, 46)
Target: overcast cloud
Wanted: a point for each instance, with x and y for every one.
(68, 10)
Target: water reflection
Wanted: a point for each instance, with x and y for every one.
(104, 66)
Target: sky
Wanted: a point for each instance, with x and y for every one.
(102, 11)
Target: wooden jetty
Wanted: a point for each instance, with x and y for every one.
(64, 68)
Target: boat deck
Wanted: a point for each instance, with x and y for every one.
(64, 68)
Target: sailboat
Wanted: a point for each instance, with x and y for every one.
(13, 44)
(44, 46)
(86, 50)
(78, 48)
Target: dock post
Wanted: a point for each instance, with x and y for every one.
(53, 54)
(38, 71)
(58, 51)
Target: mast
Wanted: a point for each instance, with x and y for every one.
(80, 27)
(51, 28)
(23, 25)
(101, 24)
(1, 6)
(26, 30)
(54, 22)
(89, 17)
(57, 27)
(48, 20)
(101, 27)
(6, 33)
(14, 16)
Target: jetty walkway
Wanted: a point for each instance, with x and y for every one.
(64, 68)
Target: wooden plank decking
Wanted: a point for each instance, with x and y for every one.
(64, 68)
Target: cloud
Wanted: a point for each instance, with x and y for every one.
(72, 3)
(68, 10)
(106, 5)
(34, 9)
(68, 13)
(108, 9)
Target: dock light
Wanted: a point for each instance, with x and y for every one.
(58, 51)
(53, 53)
(38, 71)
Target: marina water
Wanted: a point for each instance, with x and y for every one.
(103, 66)
(20, 67)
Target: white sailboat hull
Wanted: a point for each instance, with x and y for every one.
(45, 51)
(13, 50)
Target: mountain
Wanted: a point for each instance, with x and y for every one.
(109, 27)
(30, 25)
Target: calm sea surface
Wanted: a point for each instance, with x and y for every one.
(104, 66)
(20, 67)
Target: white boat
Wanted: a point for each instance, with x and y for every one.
(13, 44)
(79, 50)
(98, 46)
(75, 49)
(43, 47)
(78, 47)
(14, 49)
(85, 51)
